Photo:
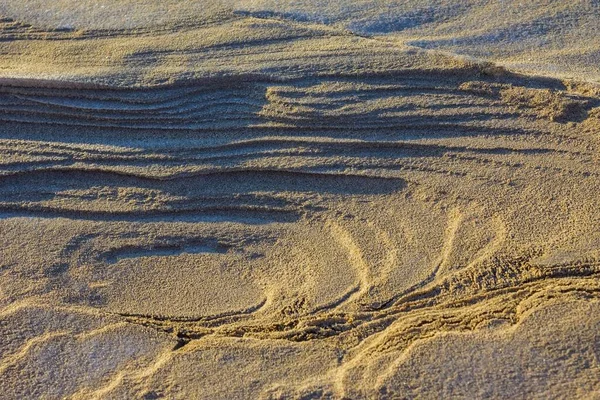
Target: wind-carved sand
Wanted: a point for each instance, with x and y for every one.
(233, 204)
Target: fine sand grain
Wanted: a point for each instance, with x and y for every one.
(265, 199)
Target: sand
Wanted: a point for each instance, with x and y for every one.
(264, 199)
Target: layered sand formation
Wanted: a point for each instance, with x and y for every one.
(243, 201)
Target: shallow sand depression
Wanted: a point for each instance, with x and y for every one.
(275, 200)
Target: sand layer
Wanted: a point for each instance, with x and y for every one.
(274, 200)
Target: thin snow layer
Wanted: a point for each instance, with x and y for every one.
(555, 37)
(549, 37)
(383, 16)
(360, 16)
(108, 14)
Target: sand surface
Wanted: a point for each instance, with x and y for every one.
(299, 199)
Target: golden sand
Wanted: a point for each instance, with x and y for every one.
(216, 201)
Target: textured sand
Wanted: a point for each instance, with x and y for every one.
(265, 199)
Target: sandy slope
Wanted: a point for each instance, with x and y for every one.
(558, 38)
(244, 201)
(550, 37)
